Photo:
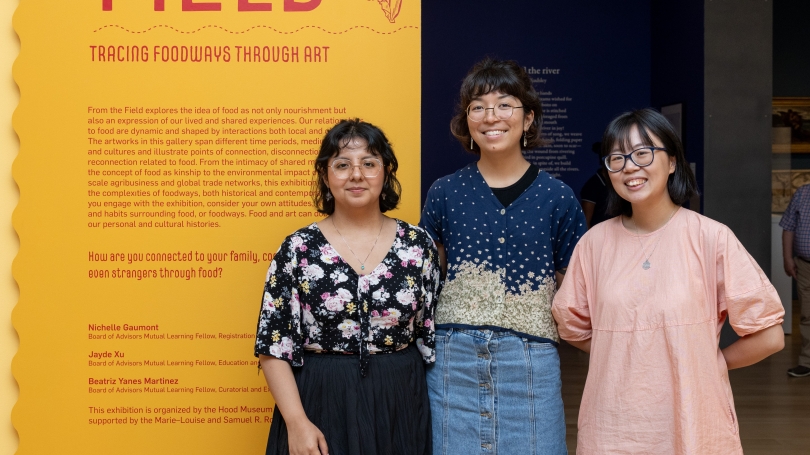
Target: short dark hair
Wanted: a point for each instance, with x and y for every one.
(504, 76)
(338, 137)
(681, 184)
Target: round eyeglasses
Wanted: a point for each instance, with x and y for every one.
(502, 111)
(369, 167)
(641, 157)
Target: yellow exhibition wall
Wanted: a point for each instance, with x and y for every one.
(9, 47)
(165, 150)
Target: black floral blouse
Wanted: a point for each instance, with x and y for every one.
(314, 300)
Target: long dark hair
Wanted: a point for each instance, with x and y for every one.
(504, 76)
(338, 137)
(681, 184)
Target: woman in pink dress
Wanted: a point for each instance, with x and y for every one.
(647, 293)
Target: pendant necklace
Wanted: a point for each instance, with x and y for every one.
(363, 262)
(646, 265)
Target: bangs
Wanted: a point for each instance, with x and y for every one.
(344, 140)
(492, 80)
(373, 141)
(618, 134)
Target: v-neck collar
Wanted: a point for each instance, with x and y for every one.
(360, 275)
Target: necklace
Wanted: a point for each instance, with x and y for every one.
(363, 262)
(646, 265)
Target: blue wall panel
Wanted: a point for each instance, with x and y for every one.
(602, 50)
(677, 69)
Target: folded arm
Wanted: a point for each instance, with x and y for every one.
(750, 349)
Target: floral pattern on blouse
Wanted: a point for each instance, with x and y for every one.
(314, 300)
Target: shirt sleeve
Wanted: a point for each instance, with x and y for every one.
(744, 293)
(570, 228)
(790, 219)
(431, 286)
(570, 308)
(278, 332)
(433, 212)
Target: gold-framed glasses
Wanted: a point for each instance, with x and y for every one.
(503, 111)
(343, 168)
(641, 157)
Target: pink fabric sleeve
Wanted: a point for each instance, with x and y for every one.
(570, 307)
(744, 293)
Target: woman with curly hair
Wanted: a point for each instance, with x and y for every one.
(346, 323)
(506, 230)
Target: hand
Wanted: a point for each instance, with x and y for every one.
(304, 438)
(790, 267)
(584, 345)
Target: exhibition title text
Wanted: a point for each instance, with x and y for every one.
(210, 54)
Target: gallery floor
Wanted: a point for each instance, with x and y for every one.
(773, 409)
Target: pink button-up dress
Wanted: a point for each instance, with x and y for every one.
(657, 381)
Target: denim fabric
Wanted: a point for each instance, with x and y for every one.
(492, 392)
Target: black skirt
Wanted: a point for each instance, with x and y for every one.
(385, 413)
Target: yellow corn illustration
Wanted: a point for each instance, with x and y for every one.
(391, 9)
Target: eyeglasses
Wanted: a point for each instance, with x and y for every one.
(369, 167)
(503, 111)
(641, 157)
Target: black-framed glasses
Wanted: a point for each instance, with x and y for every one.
(369, 167)
(503, 111)
(641, 157)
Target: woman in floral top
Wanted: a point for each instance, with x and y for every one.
(340, 291)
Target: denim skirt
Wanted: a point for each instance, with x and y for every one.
(493, 392)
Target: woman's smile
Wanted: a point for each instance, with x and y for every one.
(494, 133)
(636, 183)
(645, 184)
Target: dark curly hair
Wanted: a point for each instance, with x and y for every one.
(504, 76)
(681, 184)
(338, 137)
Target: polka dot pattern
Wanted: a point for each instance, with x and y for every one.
(514, 249)
(537, 232)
